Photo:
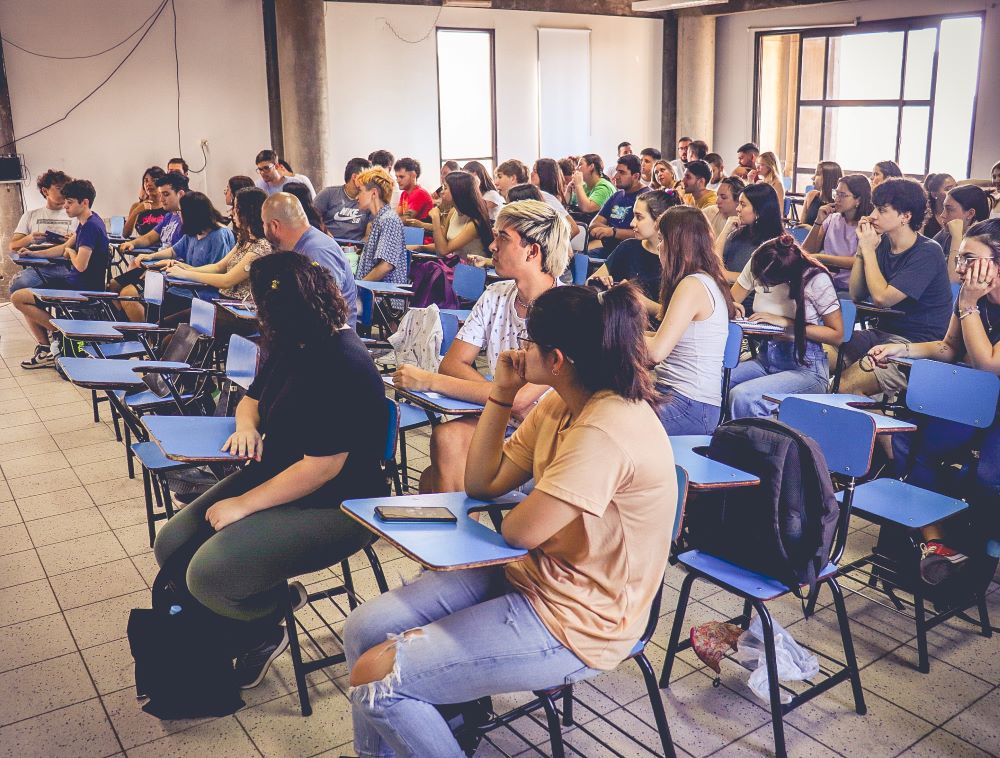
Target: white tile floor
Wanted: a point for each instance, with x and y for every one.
(74, 559)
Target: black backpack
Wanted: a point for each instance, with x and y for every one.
(783, 528)
(183, 651)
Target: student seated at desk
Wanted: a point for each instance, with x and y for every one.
(33, 225)
(758, 219)
(384, 256)
(314, 422)
(973, 337)
(795, 292)
(695, 308)
(87, 252)
(597, 526)
(834, 235)
(963, 206)
(895, 267)
(530, 251)
(231, 275)
(147, 212)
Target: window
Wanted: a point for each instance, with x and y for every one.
(903, 90)
(466, 118)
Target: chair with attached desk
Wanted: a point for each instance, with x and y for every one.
(469, 282)
(849, 313)
(302, 667)
(953, 393)
(847, 439)
(581, 267)
(730, 360)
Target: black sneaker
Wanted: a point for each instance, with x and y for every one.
(43, 358)
(252, 666)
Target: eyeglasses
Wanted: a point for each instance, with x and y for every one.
(843, 195)
(268, 167)
(964, 261)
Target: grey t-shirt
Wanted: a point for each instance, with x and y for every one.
(921, 274)
(341, 214)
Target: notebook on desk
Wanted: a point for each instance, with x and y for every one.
(758, 326)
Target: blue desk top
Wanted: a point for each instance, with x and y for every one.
(385, 288)
(869, 307)
(240, 311)
(440, 547)
(66, 296)
(883, 424)
(31, 260)
(890, 500)
(435, 401)
(704, 473)
(174, 281)
(88, 331)
(93, 373)
(192, 439)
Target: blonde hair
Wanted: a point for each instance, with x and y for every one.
(771, 160)
(377, 178)
(537, 222)
(656, 182)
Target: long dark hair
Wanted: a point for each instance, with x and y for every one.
(889, 169)
(153, 172)
(601, 333)
(859, 186)
(238, 182)
(468, 200)
(298, 301)
(782, 261)
(247, 204)
(657, 201)
(831, 173)
(524, 191)
(301, 191)
(767, 225)
(688, 248)
(479, 171)
(971, 197)
(199, 215)
(550, 178)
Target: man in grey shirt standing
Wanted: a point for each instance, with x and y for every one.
(287, 228)
(338, 206)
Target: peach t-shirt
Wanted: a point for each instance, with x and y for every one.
(593, 582)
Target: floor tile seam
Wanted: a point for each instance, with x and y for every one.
(64, 705)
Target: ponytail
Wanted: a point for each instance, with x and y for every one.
(602, 333)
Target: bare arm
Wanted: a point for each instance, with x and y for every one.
(380, 271)
(690, 302)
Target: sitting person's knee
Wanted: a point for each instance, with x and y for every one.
(379, 662)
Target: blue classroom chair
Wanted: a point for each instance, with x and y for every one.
(413, 235)
(847, 439)
(299, 666)
(469, 282)
(849, 312)
(953, 393)
(730, 360)
(799, 233)
(581, 266)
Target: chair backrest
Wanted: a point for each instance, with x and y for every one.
(800, 233)
(581, 263)
(682, 489)
(392, 430)
(116, 226)
(956, 287)
(152, 288)
(241, 361)
(846, 436)
(449, 325)
(367, 301)
(413, 235)
(469, 281)
(786, 182)
(202, 317)
(954, 393)
(849, 312)
(734, 343)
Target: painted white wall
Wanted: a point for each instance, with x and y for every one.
(132, 122)
(734, 70)
(383, 92)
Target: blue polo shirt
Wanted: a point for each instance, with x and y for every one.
(323, 249)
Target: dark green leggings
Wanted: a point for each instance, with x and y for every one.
(240, 571)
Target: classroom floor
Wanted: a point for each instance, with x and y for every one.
(74, 559)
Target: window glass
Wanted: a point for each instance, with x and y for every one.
(919, 64)
(913, 139)
(859, 137)
(954, 98)
(811, 85)
(809, 135)
(465, 92)
(865, 66)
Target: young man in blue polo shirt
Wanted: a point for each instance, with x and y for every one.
(87, 254)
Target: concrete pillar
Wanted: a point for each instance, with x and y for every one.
(11, 203)
(301, 38)
(696, 77)
(668, 122)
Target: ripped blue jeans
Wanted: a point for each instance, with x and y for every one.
(460, 635)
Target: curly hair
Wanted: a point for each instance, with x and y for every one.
(298, 301)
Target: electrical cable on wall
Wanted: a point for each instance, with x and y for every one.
(177, 79)
(401, 38)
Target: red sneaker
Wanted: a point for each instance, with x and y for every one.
(938, 561)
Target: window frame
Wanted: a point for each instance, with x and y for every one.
(903, 25)
(493, 93)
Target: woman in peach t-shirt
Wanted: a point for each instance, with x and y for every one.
(597, 527)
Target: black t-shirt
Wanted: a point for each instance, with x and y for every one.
(989, 314)
(323, 400)
(921, 274)
(147, 221)
(631, 261)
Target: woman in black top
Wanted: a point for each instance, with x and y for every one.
(314, 426)
(147, 211)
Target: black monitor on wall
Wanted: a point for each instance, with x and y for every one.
(11, 168)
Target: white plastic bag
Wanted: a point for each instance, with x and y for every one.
(418, 339)
(795, 663)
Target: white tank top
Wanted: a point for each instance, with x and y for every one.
(694, 366)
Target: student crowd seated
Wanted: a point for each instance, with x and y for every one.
(896, 267)
(647, 157)
(825, 180)
(466, 229)
(171, 188)
(663, 176)
(768, 171)
(746, 160)
(963, 206)
(415, 203)
(758, 220)
(147, 212)
(301, 193)
(834, 233)
(545, 175)
(234, 185)
(695, 308)
(937, 185)
(314, 424)
(493, 199)
(714, 160)
(678, 163)
(530, 250)
(697, 175)
(271, 179)
(614, 221)
(796, 292)
(973, 337)
(597, 525)
(384, 258)
(723, 217)
(638, 260)
(86, 251)
(32, 226)
(885, 170)
(338, 206)
(590, 189)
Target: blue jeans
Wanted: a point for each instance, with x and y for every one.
(775, 370)
(680, 414)
(33, 277)
(473, 635)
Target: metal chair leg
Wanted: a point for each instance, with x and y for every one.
(555, 729)
(774, 690)
(376, 564)
(656, 702)
(402, 460)
(148, 495)
(567, 705)
(747, 610)
(93, 402)
(345, 568)
(129, 455)
(675, 632)
(296, 652)
(848, 641)
(984, 615)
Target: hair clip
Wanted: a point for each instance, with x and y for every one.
(274, 284)
(600, 296)
(315, 263)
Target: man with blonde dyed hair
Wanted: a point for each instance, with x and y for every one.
(287, 228)
(530, 250)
